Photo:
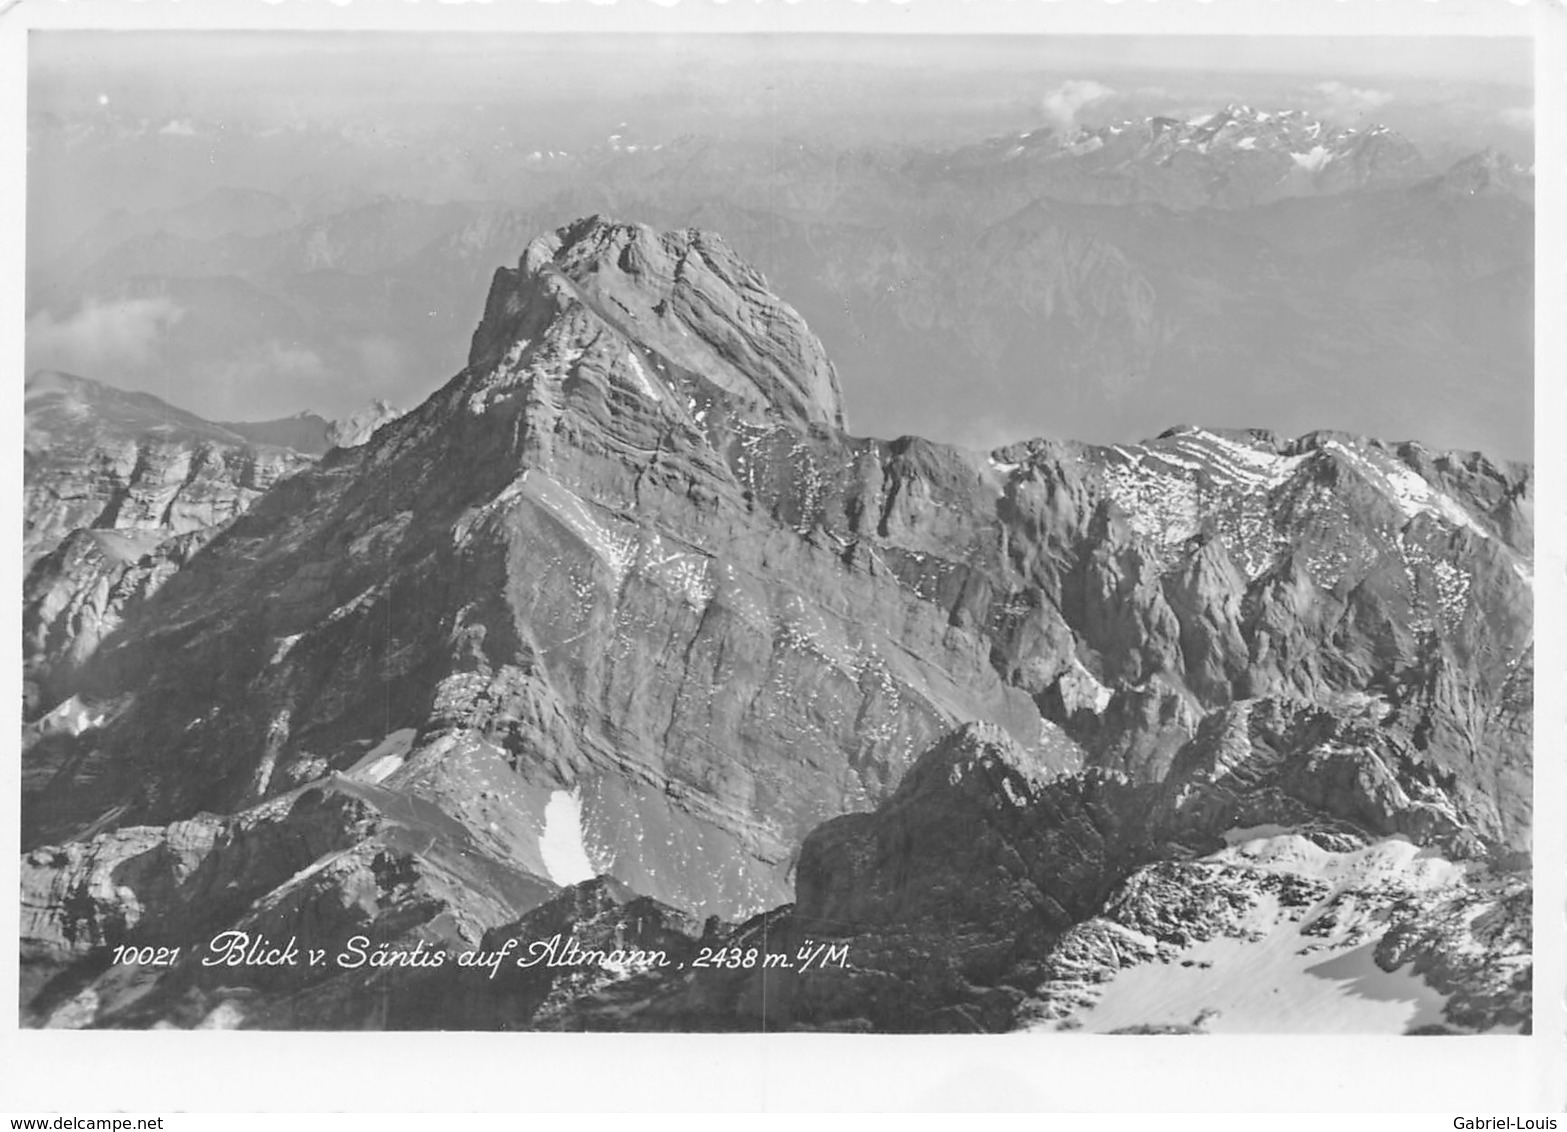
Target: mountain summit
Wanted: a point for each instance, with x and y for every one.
(620, 633)
(683, 302)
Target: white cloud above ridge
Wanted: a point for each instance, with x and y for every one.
(1063, 104)
(1347, 100)
(102, 337)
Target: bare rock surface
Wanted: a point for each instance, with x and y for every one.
(97, 457)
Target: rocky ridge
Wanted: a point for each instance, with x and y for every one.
(624, 600)
(1234, 157)
(313, 434)
(102, 459)
(120, 490)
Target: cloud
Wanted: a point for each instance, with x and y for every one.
(1063, 104)
(180, 128)
(989, 432)
(1349, 100)
(103, 337)
(271, 364)
(1518, 117)
(380, 356)
(248, 381)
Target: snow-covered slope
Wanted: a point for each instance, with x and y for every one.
(1293, 941)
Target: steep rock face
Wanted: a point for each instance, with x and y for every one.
(119, 490)
(96, 457)
(623, 599)
(682, 296)
(553, 563)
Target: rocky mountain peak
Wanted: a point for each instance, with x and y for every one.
(683, 302)
(1489, 172)
(356, 428)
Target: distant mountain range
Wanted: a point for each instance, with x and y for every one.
(1281, 270)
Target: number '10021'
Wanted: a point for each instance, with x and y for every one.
(147, 956)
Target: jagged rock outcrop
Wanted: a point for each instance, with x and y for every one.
(356, 428)
(120, 490)
(623, 600)
(685, 298)
(96, 457)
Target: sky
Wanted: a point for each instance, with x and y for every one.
(134, 94)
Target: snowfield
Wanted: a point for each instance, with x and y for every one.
(565, 857)
(1278, 969)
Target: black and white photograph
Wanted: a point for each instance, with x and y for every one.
(750, 530)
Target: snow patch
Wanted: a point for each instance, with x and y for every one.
(1246, 464)
(385, 758)
(1408, 491)
(285, 645)
(1312, 160)
(1268, 986)
(1081, 687)
(72, 717)
(565, 858)
(1392, 859)
(1270, 977)
(226, 1015)
(644, 383)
